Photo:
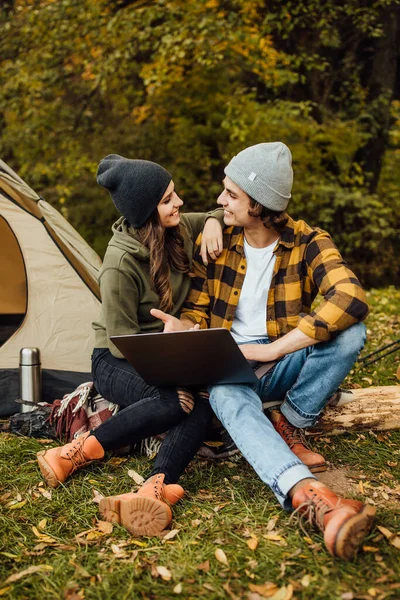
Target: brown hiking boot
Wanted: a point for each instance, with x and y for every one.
(294, 439)
(344, 523)
(59, 463)
(145, 512)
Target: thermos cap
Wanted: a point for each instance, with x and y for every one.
(29, 356)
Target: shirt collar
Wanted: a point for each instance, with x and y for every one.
(286, 239)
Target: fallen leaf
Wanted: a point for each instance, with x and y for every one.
(221, 556)
(392, 537)
(93, 535)
(204, 566)
(5, 590)
(267, 590)
(253, 542)
(116, 460)
(229, 591)
(45, 493)
(398, 372)
(370, 549)
(164, 573)
(347, 596)
(135, 476)
(306, 580)
(178, 589)
(105, 527)
(28, 571)
(284, 593)
(209, 587)
(271, 524)
(14, 505)
(170, 535)
(96, 496)
(196, 522)
(42, 524)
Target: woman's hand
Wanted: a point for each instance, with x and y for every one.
(211, 241)
(172, 323)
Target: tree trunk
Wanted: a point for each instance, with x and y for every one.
(381, 87)
(376, 408)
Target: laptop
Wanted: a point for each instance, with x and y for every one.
(197, 357)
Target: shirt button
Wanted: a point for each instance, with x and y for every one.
(242, 267)
(235, 293)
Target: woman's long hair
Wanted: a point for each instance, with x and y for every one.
(167, 250)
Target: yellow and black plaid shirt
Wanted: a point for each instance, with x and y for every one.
(307, 263)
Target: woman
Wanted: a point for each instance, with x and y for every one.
(146, 266)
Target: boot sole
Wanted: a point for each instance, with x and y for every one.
(47, 471)
(141, 516)
(321, 468)
(353, 532)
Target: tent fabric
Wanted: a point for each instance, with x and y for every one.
(61, 292)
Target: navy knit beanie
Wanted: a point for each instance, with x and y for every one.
(136, 186)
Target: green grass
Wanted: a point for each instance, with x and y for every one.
(225, 505)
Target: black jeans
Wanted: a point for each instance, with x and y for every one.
(148, 411)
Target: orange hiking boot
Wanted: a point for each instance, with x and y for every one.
(344, 523)
(145, 512)
(59, 463)
(294, 439)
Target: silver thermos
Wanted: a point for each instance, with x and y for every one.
(30, 377)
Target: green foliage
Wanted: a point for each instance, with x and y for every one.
(189, 84)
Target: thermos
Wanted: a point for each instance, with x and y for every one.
(30, 377)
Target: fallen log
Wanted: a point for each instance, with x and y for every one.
(376, 408)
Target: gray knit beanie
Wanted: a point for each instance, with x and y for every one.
(265, 173)
(136, 186)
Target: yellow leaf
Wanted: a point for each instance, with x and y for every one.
(104, 526)
(370, 549)
(28, 571)
(177, 589)
(5, 590)
(16, 505)
(252, 542)
(308, 540)
(267, 590)
(221, 556)
(164, 573)
(137, 543)
(9, 555)
(42, 524)
(306, 580)
(93, 535)
(273, 537)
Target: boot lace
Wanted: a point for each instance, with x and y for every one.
(291, 434)
(76, 455)
(311, 512)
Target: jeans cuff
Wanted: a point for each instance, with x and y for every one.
(288, 479)
(295, 416)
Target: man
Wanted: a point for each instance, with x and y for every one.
(261, 288)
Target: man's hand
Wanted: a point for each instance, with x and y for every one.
(172, 323)
(258, 352)
(211, 240)
(290, 342)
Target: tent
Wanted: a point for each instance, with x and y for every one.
(49, 294)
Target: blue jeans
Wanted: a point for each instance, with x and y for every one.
(304, 381)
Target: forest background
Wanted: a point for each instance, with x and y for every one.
(189, 83)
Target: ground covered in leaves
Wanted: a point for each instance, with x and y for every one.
(230, 539)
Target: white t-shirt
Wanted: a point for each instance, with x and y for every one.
(250, 322)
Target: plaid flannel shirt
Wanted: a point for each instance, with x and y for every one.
(307, 263)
